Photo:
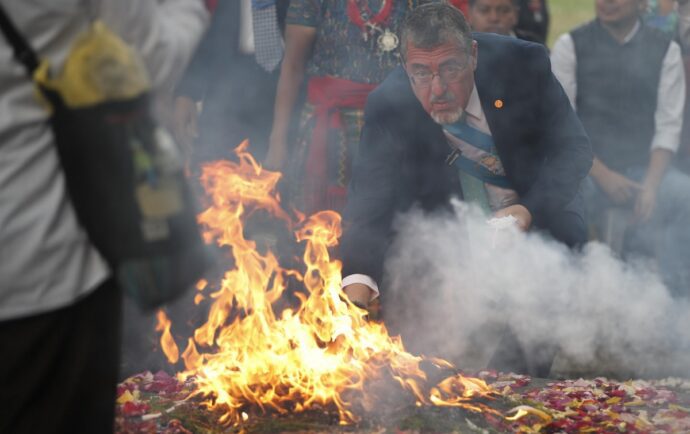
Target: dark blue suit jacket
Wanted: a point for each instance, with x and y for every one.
(401, 161)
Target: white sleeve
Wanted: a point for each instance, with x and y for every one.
(564, 65)
(166, 32)
(668, 118)
(364, 280)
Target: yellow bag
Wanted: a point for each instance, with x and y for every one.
(100, 68)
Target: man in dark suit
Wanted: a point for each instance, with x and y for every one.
(226, 76)
(485, 118)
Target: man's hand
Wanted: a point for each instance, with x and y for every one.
(359, 294)
(186, 126)
(646, 200)
(618, 188)
(521, 214)
(645, 204)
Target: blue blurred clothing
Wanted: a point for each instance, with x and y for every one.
(666, 23)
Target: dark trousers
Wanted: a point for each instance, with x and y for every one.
(237, 106)
(58, 370)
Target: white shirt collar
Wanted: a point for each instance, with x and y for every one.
(632, 33)
(474, 106)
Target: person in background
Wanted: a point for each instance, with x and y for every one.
(627, 84)
(671, 17)
(233, 77)
(477, 115)
(59, 305)
(225, 96)
(662, 15)
(498, 16)
(344, 48)
(463, 5)
(533, 18)
(683, 10)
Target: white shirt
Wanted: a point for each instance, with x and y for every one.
(46, 261)
(498, 197)
(668, 117)
(246, 43)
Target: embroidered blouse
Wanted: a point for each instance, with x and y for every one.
(340, 50)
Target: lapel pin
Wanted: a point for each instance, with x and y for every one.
(498, 103)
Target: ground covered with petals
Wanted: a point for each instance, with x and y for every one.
(155, 403)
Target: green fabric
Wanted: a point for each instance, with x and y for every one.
(473, 191)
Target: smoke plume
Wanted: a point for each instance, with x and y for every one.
(456, 283)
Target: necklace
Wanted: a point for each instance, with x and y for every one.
(387, 40)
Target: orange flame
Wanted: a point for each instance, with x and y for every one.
(322, 352)
(201, 284)
(167, 342)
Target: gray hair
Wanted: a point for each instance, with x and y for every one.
(433, 24)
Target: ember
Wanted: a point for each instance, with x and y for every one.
(319, 355)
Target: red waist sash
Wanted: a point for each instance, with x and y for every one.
(328, 95)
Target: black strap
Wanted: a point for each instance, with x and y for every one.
(22, 50)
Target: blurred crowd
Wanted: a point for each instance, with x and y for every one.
(303, 111)
(623, 72)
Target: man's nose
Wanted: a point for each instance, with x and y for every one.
(493, 15)
(438, 86)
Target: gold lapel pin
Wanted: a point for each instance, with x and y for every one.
(498, 103)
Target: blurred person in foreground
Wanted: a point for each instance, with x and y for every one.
(487, 102)
(498, 16)
(233, 77)
(627, 84)
(344, 48)
(59, 304)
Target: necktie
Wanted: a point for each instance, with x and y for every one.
(268, 44)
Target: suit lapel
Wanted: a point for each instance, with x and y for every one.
(500, 108)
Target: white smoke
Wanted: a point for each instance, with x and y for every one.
(456, 282)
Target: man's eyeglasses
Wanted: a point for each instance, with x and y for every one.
(447, 73)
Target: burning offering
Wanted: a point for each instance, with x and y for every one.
(321, 366)
(247, 359)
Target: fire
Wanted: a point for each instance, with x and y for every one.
(319, 354)
(167, 342)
